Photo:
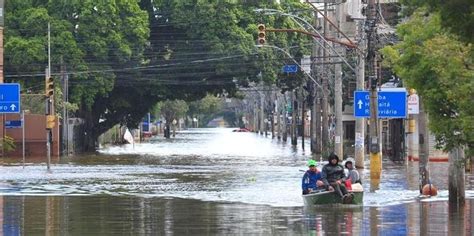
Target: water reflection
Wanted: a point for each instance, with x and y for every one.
(213, 182)
(105, 215)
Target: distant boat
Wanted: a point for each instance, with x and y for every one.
(329, 197)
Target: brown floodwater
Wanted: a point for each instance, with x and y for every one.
(213, 182)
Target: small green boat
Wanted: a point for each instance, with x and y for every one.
(329, 197)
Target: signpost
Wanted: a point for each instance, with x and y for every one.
(9, 124)
(391, 104)
(413, 104)
(290, 68)
(10, 98)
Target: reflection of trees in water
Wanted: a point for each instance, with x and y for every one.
(118, 215)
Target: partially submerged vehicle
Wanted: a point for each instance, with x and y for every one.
(241, 130)
(322, 197)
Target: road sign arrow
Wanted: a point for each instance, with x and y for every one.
(360, 104)
(10, 98)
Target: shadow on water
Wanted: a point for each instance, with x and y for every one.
(213, 181)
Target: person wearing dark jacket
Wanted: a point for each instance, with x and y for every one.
(311, 178)
(333, 177)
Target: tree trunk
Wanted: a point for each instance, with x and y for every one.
(424, 147)
(456, 177)
(91, 135)
(167, 131)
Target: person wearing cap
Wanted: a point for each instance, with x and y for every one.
(334, 178)
(311, 178)
(352, 173)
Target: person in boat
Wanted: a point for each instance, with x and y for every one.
(352, 173)
(312, 178)
(334, 178)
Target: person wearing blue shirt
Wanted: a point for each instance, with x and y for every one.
(311, 178)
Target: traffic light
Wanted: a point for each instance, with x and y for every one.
(49, 87)
(373, 82)
(50, 121)
(261, 34)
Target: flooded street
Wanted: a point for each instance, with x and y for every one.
(214, 181)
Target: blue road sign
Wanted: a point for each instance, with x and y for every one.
(361, 104)
(10, 98)
(9, 124)
(290, 68)
(391, 104)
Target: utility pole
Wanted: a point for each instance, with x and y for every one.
(360, 122)
(324, 84)
(272, 113)
(316, 94)
(375, 152)
(338, 138)
(294, 117)
(65, 82)
(303, 117)
(278, 109)
(255, 115)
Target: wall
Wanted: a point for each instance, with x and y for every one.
(35, 136)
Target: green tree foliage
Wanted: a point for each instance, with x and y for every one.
(123, 56)
(8, 144)
(438, 66)
(171, 110)
(213, 43)
(96, 40)
(205, 109)
(456, 15)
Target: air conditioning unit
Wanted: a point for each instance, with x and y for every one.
(354, 9)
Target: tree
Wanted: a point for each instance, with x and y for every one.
(172, 110)
(96, 40)
(457, 16)
(124, 56)
(438, 66)
(205, 109)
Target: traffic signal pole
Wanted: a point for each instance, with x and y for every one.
(49, 102)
